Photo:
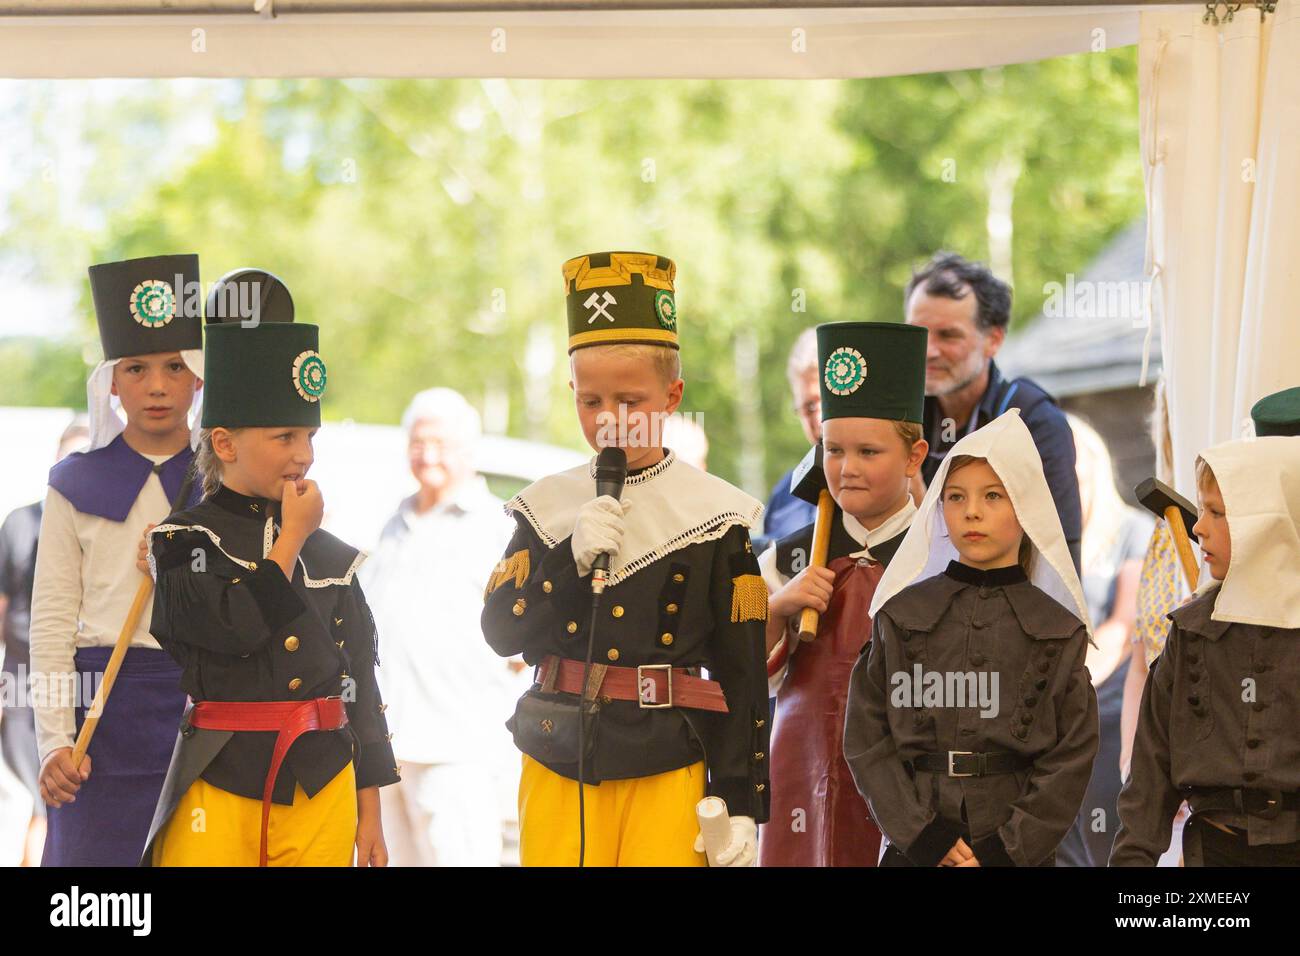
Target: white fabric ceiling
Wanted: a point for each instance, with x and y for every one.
(834, 43)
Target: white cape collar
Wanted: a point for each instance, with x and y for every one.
(674, 505)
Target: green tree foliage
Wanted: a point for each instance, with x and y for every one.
(422, 224)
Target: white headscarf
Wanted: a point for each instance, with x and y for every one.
(1009, 449)
(1260, 482)
(102, 405)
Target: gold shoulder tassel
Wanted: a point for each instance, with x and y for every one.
(516, 566)
(748, 598)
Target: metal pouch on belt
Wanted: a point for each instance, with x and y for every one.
(545, 726)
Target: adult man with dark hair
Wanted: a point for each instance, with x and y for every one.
(786, 514)
(966, 310)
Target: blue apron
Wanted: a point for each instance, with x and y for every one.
(130, 752)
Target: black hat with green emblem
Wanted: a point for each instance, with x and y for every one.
(621, 298)
(872, 370)
(1278, 414)
(262, 368)
(149, 305)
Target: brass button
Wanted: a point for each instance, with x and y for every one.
(252, 565)
(295, 683)
(572, 627)
(607, 700)
(291, 643)
(234, 580)
(679, 578)
(617, 610)
(338, 621)
(759, 755)
(338, 643)
(519, 607)
(760, 787)
(382, 708)
(252, 507)
(759, 723)
(613, 654)
(547, 587)
(671, 609)
(666, 640)
(343, 677)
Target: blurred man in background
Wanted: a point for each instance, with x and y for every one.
(445, 689)
(966, 310)
(18, 536)
(786, 514)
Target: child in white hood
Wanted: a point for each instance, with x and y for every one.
(1219, 724)
(972, 724)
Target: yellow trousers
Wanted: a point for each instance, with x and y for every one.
(644, 821)
(212, 827)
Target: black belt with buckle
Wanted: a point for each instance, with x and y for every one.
(964, 763)
(1265, 804)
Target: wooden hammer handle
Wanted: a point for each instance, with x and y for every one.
(1174, 518)
(110, 672)
(809, 618)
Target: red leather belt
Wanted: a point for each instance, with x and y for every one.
(290, 719)
(652, 686)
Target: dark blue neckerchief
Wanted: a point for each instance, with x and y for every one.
(105, 482)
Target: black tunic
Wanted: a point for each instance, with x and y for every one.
(1220, 710)
(677, 610)
(242, 632)
(981, 624)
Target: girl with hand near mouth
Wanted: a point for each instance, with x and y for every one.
(285, 747)
(982, 592)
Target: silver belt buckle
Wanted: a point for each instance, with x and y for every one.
(640, 696)
(958, 753)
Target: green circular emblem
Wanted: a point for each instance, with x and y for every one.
(666, 310)
(309, 375)
(153, 303)
(846, 370)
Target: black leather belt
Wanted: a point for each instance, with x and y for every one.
(1265, 804)
(963, 763)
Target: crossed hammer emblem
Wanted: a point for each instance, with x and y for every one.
(594, 301)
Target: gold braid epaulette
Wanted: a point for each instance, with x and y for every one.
(516, 566)
(748, 598)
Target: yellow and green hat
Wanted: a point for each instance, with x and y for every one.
(1277, 414)
(621, 298)
(872, 370)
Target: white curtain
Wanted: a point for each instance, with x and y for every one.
(1221, 147)
(774, 44)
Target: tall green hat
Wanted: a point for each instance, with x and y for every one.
(1277, 414)
(872, 370)
(621, 297)
(262, 368)
(149, 305)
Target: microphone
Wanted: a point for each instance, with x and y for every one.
(611, 472)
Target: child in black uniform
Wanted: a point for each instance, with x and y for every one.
(280, 758)
(1221, 707)
(972, 724)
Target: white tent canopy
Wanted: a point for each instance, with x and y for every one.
(1220, 112)
(681, 43)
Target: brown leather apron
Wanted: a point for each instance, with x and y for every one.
(818, 818)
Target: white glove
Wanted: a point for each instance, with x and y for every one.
(742, 850)
(598, 530)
